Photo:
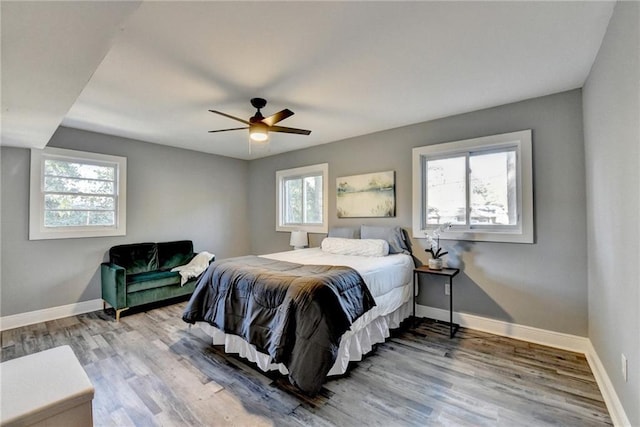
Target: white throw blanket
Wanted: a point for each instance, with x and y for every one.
(196, 266)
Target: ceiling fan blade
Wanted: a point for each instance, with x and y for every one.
(277, 117)
(230, 116)
(289, 130)
(224, 130)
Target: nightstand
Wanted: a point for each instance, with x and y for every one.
(447, 272)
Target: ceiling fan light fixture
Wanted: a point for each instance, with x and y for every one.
(260, 126)
(258, 132)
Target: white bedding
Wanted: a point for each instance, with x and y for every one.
(389, 280)
(381, 274)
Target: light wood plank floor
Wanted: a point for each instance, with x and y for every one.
(151, 369)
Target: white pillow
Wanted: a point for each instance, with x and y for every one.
(360, 247)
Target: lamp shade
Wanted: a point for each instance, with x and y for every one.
(258, 132)
(299, 239)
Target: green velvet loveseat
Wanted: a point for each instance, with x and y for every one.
(140, 273)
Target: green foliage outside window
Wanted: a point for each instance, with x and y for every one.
(78, 194)
(303, 196)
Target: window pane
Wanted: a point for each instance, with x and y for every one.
(313, 198)
(71, 202)
(76, 194)
(301, 194)
(78, 170)
(78, 208)
(446, 191)
(78, 218)
(493, 188)
(499, 188)
(71, 185)
(293, 201)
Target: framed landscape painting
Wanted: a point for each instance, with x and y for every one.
(368, 195)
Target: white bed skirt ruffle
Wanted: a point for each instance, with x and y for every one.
(353, 346)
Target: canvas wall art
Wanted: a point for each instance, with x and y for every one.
(367, 195)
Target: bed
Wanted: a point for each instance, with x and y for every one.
(386, 280)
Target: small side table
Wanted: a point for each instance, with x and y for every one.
(447, 272)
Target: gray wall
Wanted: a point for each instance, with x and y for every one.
(612, 148)
(171, 194)
(176, 193)
(543, 285)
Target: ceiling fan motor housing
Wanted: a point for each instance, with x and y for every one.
(258, 102)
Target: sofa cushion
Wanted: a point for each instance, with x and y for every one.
(174, 254)
(135, 258)
(150, 280)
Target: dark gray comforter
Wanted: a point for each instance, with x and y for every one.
(295, 313)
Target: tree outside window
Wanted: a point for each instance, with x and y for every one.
(482, 186)
(76, 194)
(302, 199)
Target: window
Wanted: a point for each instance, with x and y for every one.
(302, 199)
(76, 194)
(482, 186)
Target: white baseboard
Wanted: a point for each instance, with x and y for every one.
(616, 411)
(512, 330)
(47, 314)
(541, 336)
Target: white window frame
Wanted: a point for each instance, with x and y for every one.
(312, 170)
(523, 232)
(37, 229)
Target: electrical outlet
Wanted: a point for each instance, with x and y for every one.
(447, 290)
(624, 368)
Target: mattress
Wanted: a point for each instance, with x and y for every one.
(389, 280)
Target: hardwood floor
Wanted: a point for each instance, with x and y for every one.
(151, 369)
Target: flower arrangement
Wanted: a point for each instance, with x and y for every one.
(434, 241)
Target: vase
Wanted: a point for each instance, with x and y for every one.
(435, 263)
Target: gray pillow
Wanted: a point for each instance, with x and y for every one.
(393, 235)
(344, 232)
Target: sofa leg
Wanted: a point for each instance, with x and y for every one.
(118, 311)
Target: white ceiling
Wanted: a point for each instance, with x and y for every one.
(151, 70)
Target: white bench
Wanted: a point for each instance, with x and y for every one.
(48, 388)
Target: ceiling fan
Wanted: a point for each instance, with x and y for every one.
(260, 126)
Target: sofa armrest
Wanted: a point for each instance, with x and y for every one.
(114, 289)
